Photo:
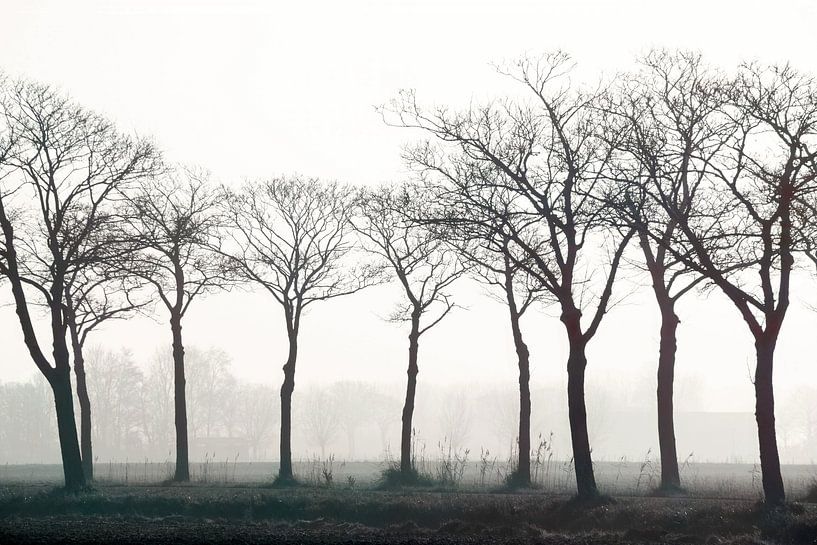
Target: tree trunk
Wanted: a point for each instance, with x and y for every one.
(59, 377)
(85, 445)
(670, 476)
(577, 411)
(522, 476)
(764, 413)
(67, 429)
(180, 401)
(523, 470)
(288, 386)
(86, 448)
(60, 380)
(406, 466)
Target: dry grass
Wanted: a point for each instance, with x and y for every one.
(450, 468)
(453, 516)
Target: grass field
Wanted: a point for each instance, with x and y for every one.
(624, 478)
(341, 503)
(213, 513)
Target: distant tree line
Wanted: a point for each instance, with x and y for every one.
(354, 420)
(134, 408)
(700, 178)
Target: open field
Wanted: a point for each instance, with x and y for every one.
(212, 513)
(624, 478)
(235, 502)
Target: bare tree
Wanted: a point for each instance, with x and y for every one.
(475, 221)
(800, 411)
(172, 219)
(102, 291)
(385, 408)
(353, 401)
(736, 225)
(291, 236)
(321, 417)
(211, 383)
(116, 387)
(68, 166)
(28, 431)
(157, 407)
(456, 418)
(425, 267)
(255, 419)
(499, 409)
(549, 154)
(663, 121)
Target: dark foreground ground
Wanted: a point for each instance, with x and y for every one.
(249, 514)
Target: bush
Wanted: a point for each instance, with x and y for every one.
(811, 492)
(393, 477)
(513, 481)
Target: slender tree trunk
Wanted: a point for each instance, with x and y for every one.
(67, 429)
(523, 471)
(522, 477)
(288, 386)
(85, 445)
(59, 377)
(773, 489)
(180, 400)
(670, 476)
(60, 381)
(406, 468)
(577, 411)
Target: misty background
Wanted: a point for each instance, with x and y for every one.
(258, 89)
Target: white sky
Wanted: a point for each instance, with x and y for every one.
(251, 89)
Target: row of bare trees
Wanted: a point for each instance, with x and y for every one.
(700, 178)
(712, 174)
(95, 226)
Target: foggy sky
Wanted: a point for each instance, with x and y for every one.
(256, 89)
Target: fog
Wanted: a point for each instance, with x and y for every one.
(232, 419)
(258, 89)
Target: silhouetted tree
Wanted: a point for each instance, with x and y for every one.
(68, 165)
(291, 236)
(476, 222)
(550, 154)
(735, 224)
(101, 292)
(664, 122)
(172, 219)
(424, 265)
